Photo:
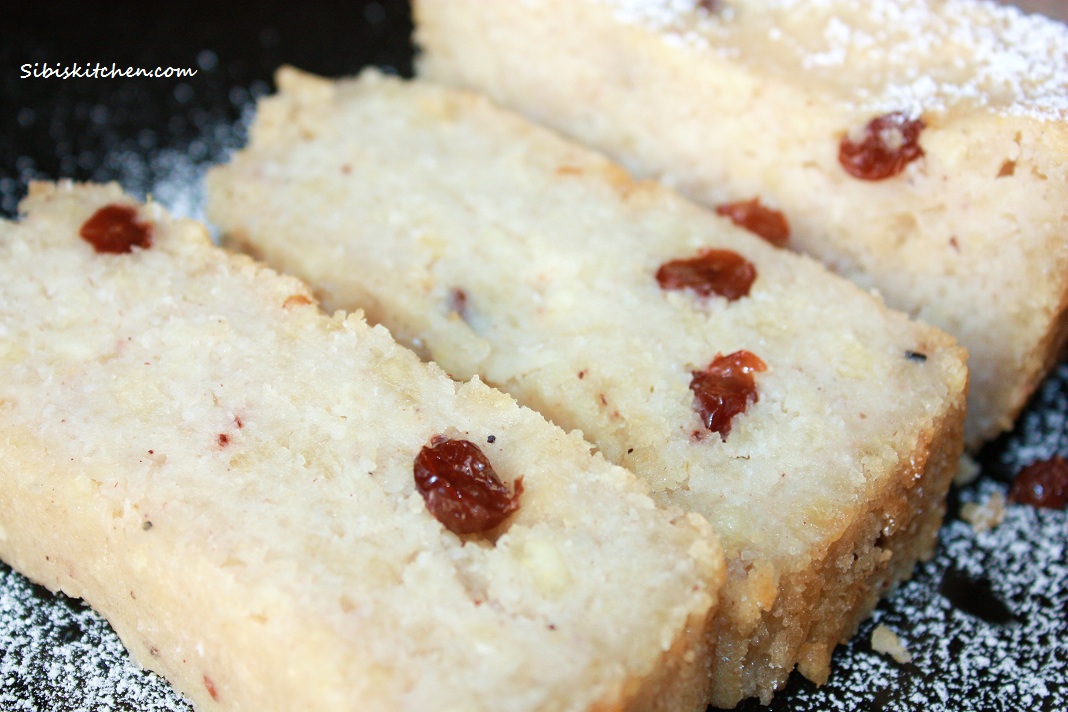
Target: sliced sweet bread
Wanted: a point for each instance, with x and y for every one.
(280, 510)
(918, 147)
(816, 429)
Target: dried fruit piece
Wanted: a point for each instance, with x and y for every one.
(1042, 484)
(458, 303)
(887, 145)
(210, 687)
(116, 229)
(460, 487)
(721, 272)
(725, 389)
(758, 219)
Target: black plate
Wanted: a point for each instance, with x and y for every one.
(986, 621)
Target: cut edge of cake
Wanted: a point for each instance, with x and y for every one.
(755, 654)
(144, 535)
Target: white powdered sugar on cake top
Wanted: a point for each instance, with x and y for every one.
(884, 55)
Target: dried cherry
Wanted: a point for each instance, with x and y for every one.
(721, 272)
(887, 145)
(116, 229)
(757, 218)
(725, 389)
(460, 487)
(458, 303)
(1042, 484)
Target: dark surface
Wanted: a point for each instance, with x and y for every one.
(985, 620)
(73, 128)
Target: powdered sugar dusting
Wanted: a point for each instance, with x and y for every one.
(175, 177)
(1042, 431)
(883, 55)
(172, 177)
(993, 665)
(986, 620)
(995, 658)
(58, 654)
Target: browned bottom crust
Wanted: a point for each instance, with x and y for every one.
(823, 604)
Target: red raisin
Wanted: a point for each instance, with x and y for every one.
(116, 229)
(721, 272)
(888, 144)
(1042, 484)
(758, 219)
(460, 487)
(725, 389)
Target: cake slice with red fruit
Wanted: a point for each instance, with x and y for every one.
(816, 429)
(918, 147)
(281, 510)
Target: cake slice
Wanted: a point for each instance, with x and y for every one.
(280, 510)
(816, 429)
(919, 147)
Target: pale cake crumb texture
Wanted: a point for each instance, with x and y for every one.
(233, 474)
(42, 668)
(882, 55)
(396, 197)
(967, 471)
(752, 101)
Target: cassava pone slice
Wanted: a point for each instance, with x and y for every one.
(815, 428)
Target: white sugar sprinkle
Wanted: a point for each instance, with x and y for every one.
(67, 645)
(959, 660)
(883, 55)
(956, 656)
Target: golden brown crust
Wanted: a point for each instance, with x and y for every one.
(679, 682)
(823, 605)
(1049, 352)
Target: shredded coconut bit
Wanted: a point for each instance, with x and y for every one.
(882, 55)
(886, 641)
(984, 517)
